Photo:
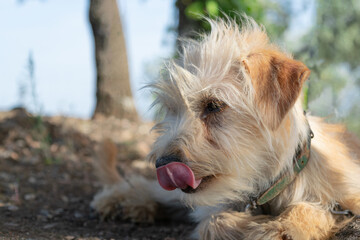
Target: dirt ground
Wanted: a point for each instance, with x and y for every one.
(47, 181)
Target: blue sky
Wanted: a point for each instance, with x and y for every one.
(58, 35)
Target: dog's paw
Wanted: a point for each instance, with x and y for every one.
(271, 230)
(140, 210)
(107, 203)
(240, 225)
(126, 202)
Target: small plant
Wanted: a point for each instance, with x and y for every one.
(41, 133)
(40, 129)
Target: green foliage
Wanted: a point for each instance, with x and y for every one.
(41, 133)
(40, 130)
(353, 119)
(194, 10)
(212, 8)
(306, 97)
(330, 49)
(337, 31)
(273, 15)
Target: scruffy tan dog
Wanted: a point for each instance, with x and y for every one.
(235, 145)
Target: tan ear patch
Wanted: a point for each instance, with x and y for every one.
(277, 80)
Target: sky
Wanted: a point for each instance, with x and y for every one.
(58, 36)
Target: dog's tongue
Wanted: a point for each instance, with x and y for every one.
(176, 175)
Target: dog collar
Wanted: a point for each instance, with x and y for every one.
(300, 160)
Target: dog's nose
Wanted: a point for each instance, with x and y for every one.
(166, 159)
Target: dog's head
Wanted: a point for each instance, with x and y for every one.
(224, 105)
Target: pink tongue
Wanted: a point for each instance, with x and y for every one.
(176, 175)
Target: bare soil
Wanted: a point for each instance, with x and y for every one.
(47, 181)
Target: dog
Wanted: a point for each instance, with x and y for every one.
(235, 145)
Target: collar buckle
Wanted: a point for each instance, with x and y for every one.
(251, 206)
(337, 210)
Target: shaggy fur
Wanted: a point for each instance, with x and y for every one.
(245, 145)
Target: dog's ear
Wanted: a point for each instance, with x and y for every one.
(277, 80)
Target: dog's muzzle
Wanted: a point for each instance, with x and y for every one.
(166, 160)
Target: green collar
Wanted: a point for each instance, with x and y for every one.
(301, 158)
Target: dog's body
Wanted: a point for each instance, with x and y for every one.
(233, 123)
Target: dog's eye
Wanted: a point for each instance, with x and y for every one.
(214, 106)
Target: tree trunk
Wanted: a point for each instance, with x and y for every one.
(186, 26)
(113, 91)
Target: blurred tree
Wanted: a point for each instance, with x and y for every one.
(190, 14)
(113, 91)
(330, 49)
(338, 31)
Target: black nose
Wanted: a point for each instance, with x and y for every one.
(165, 160)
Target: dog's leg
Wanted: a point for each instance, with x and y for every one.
(303, 221)
(133, 197)
(349, 190)
(346, 185)
(139, 200)
(351, 201)
(130, 201)
(231, 225)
